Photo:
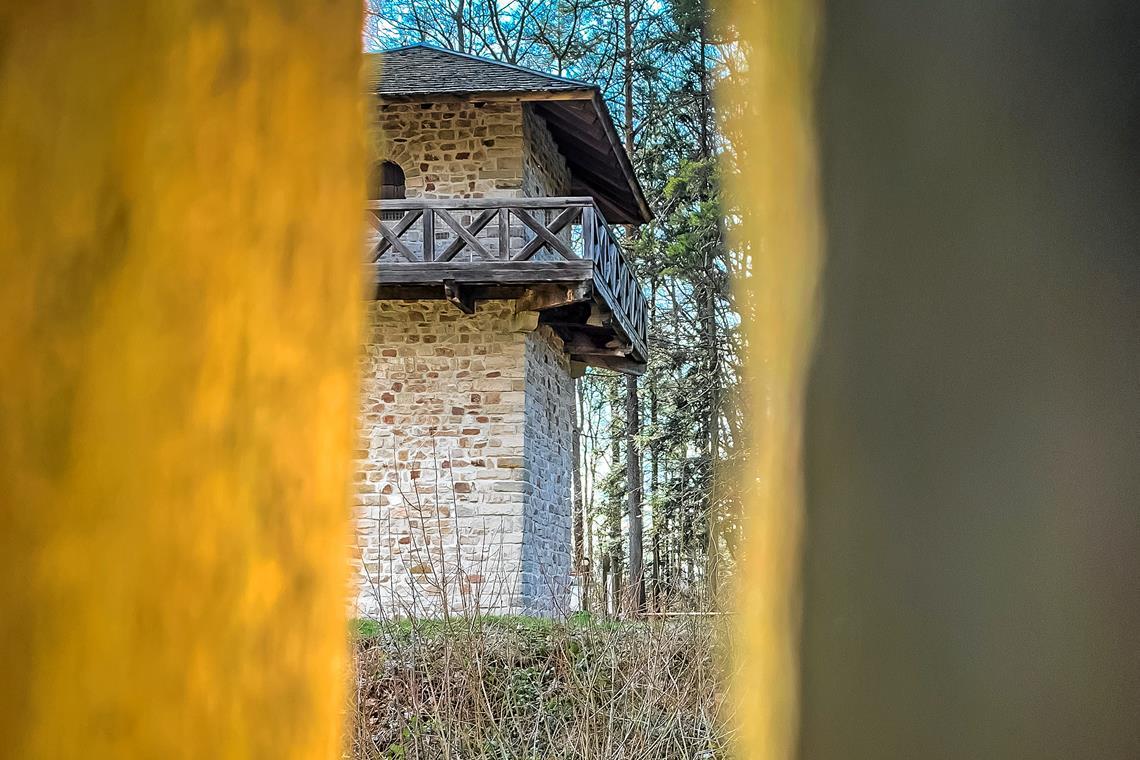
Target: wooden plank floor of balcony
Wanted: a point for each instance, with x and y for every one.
(512, 273)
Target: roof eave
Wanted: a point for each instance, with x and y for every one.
(488, 95)
(623, 157)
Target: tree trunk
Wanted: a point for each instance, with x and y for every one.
(633, 497)
(712, 357)
(712, 515)
(654, 465)
(632, 406)
(576, 507)
(614, 505)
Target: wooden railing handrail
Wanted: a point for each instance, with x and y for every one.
(476, 204)
(613, 273)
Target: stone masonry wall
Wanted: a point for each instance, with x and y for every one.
(545, 172)
(462, 489)
(548, 463)
(455, 150)
(471, 150)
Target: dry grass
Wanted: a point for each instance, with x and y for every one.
(523, 688)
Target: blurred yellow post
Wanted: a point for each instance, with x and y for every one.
(770, 116)
(179, 295)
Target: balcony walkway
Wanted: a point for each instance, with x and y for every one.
(556, 256)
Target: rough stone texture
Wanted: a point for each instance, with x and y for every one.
(463, 483)
(471, 150)
(545, 172)
(548, 463)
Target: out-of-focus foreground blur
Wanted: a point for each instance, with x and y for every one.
(971, 584)
(179, 303)
(945, 223)
(972, 469)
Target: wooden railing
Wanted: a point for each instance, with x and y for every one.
(477, 231)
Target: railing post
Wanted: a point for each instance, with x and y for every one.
(504, 234)
(429, 233)
(588, 231)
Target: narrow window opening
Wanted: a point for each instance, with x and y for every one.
(386, 183)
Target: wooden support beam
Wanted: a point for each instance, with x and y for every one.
(581, 345)
(543, 297)
(599, 316)
(461, 297)
(524, 322)
(612, 363)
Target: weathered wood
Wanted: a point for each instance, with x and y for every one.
(583, 345)
(556, 226)
(592, 267)
(429, 234)
(462, 299)
(466, 234)
(541, 231)
(543, 297)
(488, 272)
(589, 228)
(392, 238)
(573, 117)
(583, 132)
(613, 363)
(402, 204)
(581, 349)
(385, 242)
(504, 234)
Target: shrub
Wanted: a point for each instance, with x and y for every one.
(519, 688)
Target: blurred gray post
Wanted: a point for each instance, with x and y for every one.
(973, 440)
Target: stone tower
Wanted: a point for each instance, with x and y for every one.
(497, 279)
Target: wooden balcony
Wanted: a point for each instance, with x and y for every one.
(556, 256)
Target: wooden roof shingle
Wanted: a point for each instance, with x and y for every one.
(423, 69)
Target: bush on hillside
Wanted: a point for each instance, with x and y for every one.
(524, 688)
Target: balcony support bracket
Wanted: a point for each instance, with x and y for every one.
(460, 297)
(543, 297)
